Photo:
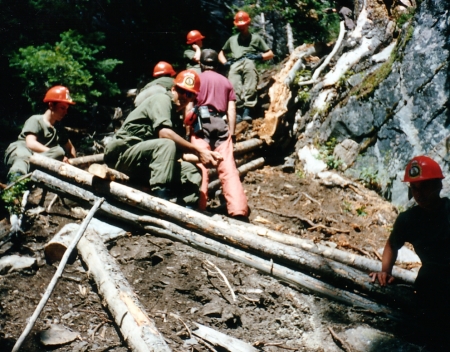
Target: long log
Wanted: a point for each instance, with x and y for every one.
(235, 235)
(354, 260)
(86, 160)
(138, 330)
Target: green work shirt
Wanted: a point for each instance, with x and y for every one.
(237, 46)
(190, 63)
(155, 112)
(166, 82)
(46, 134)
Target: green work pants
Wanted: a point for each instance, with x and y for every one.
(17, 157)
(155, 161)
(244, 78)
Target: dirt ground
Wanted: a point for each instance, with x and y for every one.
(178, 288)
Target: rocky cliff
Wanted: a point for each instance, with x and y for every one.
(387, 95)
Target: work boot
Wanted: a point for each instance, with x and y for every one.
(163, 193)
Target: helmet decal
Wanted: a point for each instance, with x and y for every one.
(415, 169)
(189, 81)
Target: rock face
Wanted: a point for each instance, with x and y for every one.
(405, 115)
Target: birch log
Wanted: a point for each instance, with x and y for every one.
(86, 160)
(234, 234)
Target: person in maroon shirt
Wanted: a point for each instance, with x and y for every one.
(215, 109)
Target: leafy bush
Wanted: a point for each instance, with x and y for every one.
(326, 154)
(12, 197)
(72, 62)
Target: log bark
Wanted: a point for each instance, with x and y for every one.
(86, 160)
(238, 236)
(138, 330)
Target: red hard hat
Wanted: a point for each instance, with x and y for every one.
(193, 36)
(422, 168)
(59, 94)
(241, 19)
(188, 80)
(163, 68)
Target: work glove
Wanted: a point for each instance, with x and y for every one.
(254, 56)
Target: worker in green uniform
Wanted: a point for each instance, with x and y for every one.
(163, 73)
(242, 50)
(148, 146)
(192, 56)
(42, 134)
(427, 227)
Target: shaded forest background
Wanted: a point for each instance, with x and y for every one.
(136, 34)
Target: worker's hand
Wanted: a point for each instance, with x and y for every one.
(66, 160)
(209, 158)
(254, 56)
(383, 277)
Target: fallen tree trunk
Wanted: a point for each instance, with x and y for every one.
(137, 329)
(338, 255)
(86, 160)
(237, 236)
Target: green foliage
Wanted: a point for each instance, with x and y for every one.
(303, 96)
(311, 20)
(347, 206)
(73, 62)
(326, 154)
(300, 173)
(369, 178)
(405, 16)
(361, 211)
(12, 197)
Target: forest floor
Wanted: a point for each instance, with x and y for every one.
(177, 288)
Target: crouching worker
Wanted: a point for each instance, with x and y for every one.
(147, 147)
(212, 126)
(41, 134)
(427, 227)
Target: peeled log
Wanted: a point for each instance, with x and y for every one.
(244, 239)
(86, 160)
(338, 255)
(138, 330)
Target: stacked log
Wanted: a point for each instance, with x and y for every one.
(179, 220)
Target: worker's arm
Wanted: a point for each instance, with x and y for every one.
(206, 157)
(70, 151)
(267, 55)
(384, 276)
(33, 144)
(222, 57)
(198, 53)
(231, 116)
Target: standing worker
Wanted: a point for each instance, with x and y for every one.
(42, 134)
(243, 49)
(215, 106)
(147, 147)
(427, 227)
(163, 73)
(195, 40)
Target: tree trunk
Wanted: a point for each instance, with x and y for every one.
(137, 329)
